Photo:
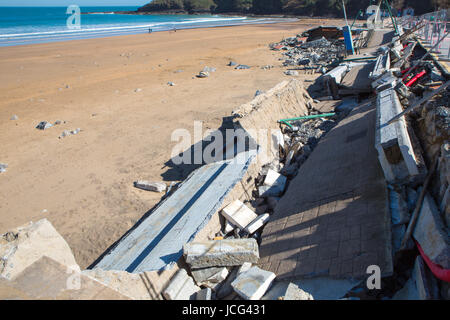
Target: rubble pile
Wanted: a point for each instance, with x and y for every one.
(310, 55)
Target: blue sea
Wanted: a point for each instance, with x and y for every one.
(26, 25)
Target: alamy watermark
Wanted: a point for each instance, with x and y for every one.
(73, 22)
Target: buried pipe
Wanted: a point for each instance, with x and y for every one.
(323, 115)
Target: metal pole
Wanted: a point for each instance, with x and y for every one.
(345, 13)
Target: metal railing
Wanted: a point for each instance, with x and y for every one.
(431, 28)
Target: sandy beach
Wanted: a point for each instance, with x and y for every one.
(83, 184)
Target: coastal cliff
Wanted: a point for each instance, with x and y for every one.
(287, 7)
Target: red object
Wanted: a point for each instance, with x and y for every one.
(406, 70)
(415, 78)
(279, 46)
(437, 270)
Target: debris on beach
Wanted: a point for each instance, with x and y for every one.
(203, 74)
(267, 67)
(14, 117)
(150, 186)
(66, 133)
(43, 125)
(3, 167)
(170, 83)
(291, 73)
(300, 51)
(232, 64)
(242, 66)
(138, 90)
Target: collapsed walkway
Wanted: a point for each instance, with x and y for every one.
(333, 220)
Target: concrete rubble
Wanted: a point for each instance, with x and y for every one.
(228, 252)
(21, 247)
(3, 167)
(182, 287)
(238, 214)
(253, 283)
(150, 186)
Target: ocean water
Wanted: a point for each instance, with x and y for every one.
(26, 25)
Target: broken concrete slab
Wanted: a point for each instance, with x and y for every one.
(228, 227)
(209, 277)
(182, 287)
(228, 252)
(270, 191)
(431, 234)
(21, 247)
(204, 294)
(293, 292)
(150, 186)
(253, 283)
(47, 279)
(245, 267)
(257, 223)
(395, 150)
(157, 241)
(135, 286)
(382, 64)
(274, 178)
(238, 214)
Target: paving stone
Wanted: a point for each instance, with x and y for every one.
(228, 252)
(239, 214)
(253, 283)
(182, 287)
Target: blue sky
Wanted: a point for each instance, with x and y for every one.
(64, 3)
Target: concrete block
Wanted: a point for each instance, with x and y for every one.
(431, 234)
(228, 227)
(204, 294)
(270, 191)
(151, 186)
(382, 64)
(274, 178)
(21, 247)
(228, 252)
(182, 287)
(253, 283)
(239, 214)
(257, 223)
(293, 292)
(209, 277)
(245, 267)
(395, 150)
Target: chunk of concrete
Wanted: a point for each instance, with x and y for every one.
(293, 292)
(133, 285)
(239, 214)
(228, 252)
(3, 167)
(253, 283)
(228, 227)
(209, 277)
(21, 247)
(245, 267)
(150, 186)
(274, 178)
(182, 287)
(204, 294)
(257, 223)
(47, 279)
(431, 234)
(270, 191)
